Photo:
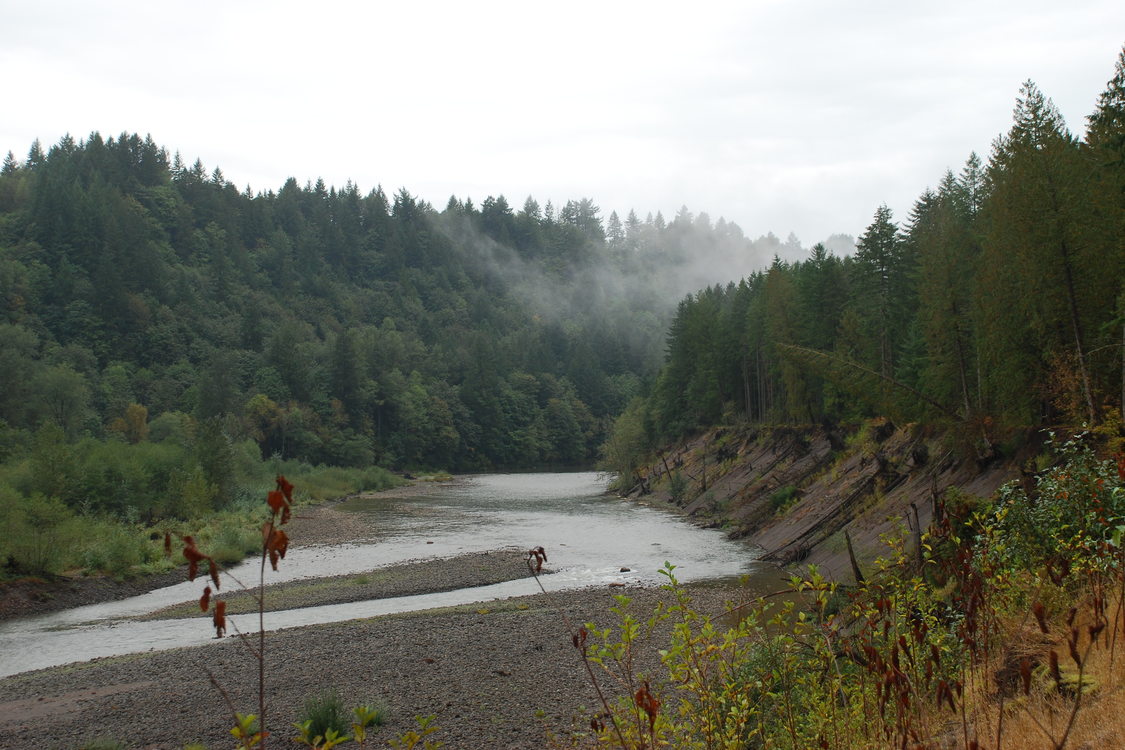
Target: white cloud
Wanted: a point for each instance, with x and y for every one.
(780, 116)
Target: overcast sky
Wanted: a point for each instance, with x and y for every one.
(782, 116)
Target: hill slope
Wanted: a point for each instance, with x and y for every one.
(793, 491)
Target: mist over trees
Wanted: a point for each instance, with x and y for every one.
(998, 302)
(143, 298)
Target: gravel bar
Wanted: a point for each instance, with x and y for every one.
(496, 675)
(500, 674)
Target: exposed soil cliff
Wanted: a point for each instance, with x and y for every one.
(795, 491)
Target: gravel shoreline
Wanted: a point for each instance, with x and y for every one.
(496, 675)
(500, 674)
(405, 579)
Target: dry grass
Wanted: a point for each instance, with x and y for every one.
(1000, 716)
(1100, 722)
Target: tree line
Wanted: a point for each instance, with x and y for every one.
(998, 303)
(143, 298)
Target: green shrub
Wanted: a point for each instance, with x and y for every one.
(235, 541)
(325, 711)
(376, 478)
(170, 427)
(194, 496)
(784, 497)
(678, 485)
(115, 548)
(34, 533)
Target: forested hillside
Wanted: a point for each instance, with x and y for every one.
(325, 324)
(998, 303)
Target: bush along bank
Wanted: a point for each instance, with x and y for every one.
(995, 626)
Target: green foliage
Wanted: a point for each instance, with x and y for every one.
(418, 738)
(365, 717)
(117, 549)
(783, 497)
(1070, 519)
(324, 713)
(901, 658)
(677, 485)
(625, 448)
(997, 304)
(247, 732)
(235, 539)
(34, 532)
(326, 325)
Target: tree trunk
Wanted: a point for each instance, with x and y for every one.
(1076, 325)
(961, 369)
(916, 524)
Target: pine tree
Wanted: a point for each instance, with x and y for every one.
(941, 233)
(880, 277)
(1042, 285)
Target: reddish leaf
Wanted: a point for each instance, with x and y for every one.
(205, 600)
(192, 570)
(273, 559)
(276, 501)
(213, 569)
(278, 542)
(1041, 616)
(220, 618)
(1054, 659)
(1025, 674)
(535, 559)
(648, 703)
(285, 487)
(191, 552)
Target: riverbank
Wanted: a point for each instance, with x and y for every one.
(794, 491)
(498, 674)
(312, 525)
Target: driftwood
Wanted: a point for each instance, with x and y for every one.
(916, 528)
(851, 558)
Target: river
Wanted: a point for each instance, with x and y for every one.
(591, 538)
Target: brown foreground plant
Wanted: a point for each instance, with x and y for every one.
(249, 729)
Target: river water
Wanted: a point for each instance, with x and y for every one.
(591, 538)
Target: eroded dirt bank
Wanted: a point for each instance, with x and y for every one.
(794, 491)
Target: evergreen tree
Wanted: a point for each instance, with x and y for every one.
(881, 285)
(1038, 235)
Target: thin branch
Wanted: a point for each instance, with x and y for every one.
(836, 359)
